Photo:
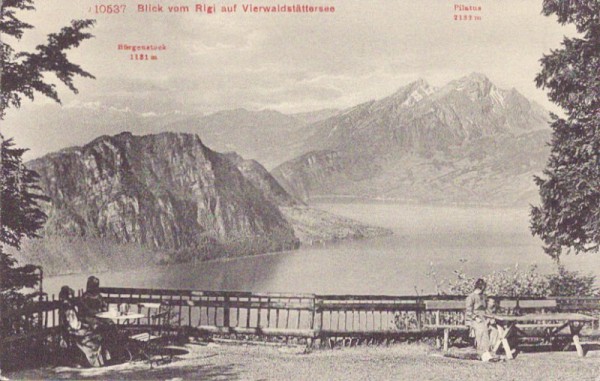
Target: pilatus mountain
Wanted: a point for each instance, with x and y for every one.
(468, 142)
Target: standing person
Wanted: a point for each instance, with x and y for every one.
(474, 317)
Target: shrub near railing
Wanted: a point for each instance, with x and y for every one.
(29, 320)
(25, 333)
(516, 282)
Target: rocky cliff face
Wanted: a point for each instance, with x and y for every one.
(467, 142)
(125, 201)
(314, 170)
(258, 176)
(165, 191)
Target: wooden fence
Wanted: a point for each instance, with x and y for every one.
(34, 320)
(286, 315)
(226, 312)
(309, 316)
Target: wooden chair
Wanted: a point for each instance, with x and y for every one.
(153, 337)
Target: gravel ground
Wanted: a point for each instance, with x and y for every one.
(398, 362)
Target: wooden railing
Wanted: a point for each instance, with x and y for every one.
(228, 312)
(34, 320)
(306, 316)
(309, 316)
(366, 315)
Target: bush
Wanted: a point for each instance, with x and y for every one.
(571, 283)
(514, 282)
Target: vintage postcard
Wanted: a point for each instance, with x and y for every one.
(326, 180)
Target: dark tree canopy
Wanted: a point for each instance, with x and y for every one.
(568, 218)
(21, 216)
(23, 72)
(22, 75)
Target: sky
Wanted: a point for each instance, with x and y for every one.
(290, 62)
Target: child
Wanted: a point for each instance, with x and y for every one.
(494, 331)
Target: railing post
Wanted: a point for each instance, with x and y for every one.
(313, 314)
(258, 310)
(41, 297)
(248, 311)
(56, 315)
(46, 313)
(269, 312)
(226, 312)
(419, 313)
(318, 317)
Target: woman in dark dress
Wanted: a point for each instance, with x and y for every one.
(93, 303)
(77, 332)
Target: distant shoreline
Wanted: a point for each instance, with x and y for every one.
(213, 260)
(350, 199)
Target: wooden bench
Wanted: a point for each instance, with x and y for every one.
(534, 306)
(530, 305)
(439, 306)
(526, 305)
(591, 335)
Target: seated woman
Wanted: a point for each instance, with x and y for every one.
(79, 332)
(92, 302)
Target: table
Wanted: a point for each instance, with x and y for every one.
(116, 317)
(553, 323)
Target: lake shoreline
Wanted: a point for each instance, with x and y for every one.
(475, 241)
(63, 256)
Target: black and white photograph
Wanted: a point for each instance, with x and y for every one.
(300, 190)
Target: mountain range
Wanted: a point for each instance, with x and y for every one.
(268, 136)
(468, 142)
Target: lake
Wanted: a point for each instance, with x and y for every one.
(478, 240)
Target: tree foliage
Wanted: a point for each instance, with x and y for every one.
(21, 216)
(21, 213)
(23, 72)
(568, 218)
(22, 76)
(571, 283)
